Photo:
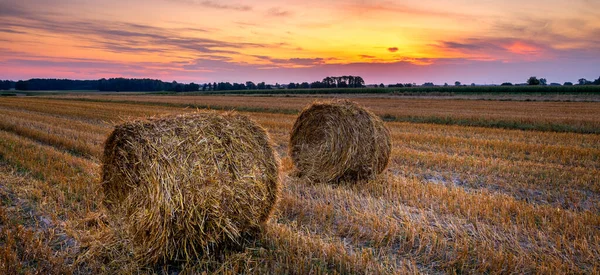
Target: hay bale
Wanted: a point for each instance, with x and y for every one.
(186, 184)
(339, 141)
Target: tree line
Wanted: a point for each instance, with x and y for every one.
(7, 85)
(349, 81)
(534, 81)
(132, 85)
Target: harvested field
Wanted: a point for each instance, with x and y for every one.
(454, 199)
(579, 117)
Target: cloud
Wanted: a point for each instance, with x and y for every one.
(216, 5)
(393, 50)
(119, 37)
(364, 56)
(292, 62)
(505, 49)
(378, 8)
(10, 9)
(278, 12)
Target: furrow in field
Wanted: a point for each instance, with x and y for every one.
(72, 123)
(573, 156)
(86, 143)
(568, 187)
(75, 179)
(546, 116)
(436, 241)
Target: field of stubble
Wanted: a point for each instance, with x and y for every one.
(455, 198)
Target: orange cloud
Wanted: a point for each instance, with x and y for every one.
(520, 47)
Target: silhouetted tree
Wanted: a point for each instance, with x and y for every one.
(457, 83)
(250, 85)
(532, 81)
(359, 82)
(317, 85)
(21, 85)
(568, 84)
(381, 85)
(7, 85)
(583, 81)
(506, 84)
(543, 81)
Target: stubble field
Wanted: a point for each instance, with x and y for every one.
(455, 198)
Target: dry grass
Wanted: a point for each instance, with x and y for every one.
(455, 199)
(187, 185)
(553, 116)
(339, 141)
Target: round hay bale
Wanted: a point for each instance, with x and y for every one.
(185, 185)
(339, 141)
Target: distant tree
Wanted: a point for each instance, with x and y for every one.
(329, 82)
(457, 83)
(555, 84)
(317, 85)
(359, 82)
(445, 84)
(568, 84)
(473, 84)
(250, 85)
(304, 85)
(381, 85)
(292, 85)
(192, 87)
(506, 84)
(261, 86)
(597, 81)
(215, 88)
(428, 84)
(532, 81)
(583, 81)
(204, 87)
(22, 85)
(6, 85)
(175, 87)
(543, 81)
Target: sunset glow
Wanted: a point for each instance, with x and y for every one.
(275, 41)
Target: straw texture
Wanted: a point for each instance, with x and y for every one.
(339, 141)
(184, 185)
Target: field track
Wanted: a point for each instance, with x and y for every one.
(456, 198)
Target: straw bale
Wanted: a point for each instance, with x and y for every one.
(339, 141)
(185, 185)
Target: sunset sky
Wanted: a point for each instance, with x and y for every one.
(301, 40)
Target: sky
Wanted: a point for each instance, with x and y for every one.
(483, 41)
